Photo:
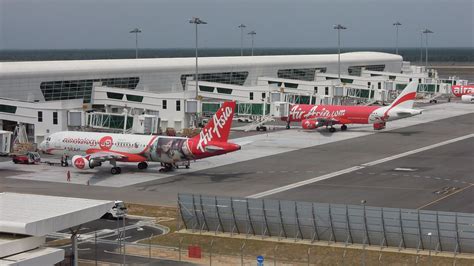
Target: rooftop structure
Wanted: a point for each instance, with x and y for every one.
(26, 219)
(60, 80)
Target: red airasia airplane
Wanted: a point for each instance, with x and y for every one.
(465, 92)
(91, 149)
(315, 116)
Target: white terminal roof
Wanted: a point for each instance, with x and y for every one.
(39, 215)
(8, 69)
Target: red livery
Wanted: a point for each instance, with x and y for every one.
(91, 149)
(314, 116)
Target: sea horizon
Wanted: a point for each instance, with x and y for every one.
(450, 55)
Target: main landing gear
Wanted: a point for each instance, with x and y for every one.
(333, 129)
(115, 170)
(142, 165)
(166, 167)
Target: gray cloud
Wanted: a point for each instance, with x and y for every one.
(64, 24)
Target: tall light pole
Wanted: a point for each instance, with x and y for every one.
(421, 47)
(426, 32)
(242, 26)
(252, 35)
(196, 22)
(396, 24)
(136, 31)
(339, 27)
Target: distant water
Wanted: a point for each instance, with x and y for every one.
(446, 56)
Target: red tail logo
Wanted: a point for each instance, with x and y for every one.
(218, 128)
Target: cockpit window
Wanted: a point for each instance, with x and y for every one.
(48, 139)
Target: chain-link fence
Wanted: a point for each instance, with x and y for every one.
(402, 228)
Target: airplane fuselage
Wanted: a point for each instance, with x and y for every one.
(348, 114)
(136, 148)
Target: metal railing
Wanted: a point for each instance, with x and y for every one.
(349, 224)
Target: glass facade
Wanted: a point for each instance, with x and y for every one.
(82, 89)
(7, 108)
(234, 78)
(113, 95)
(307, 74)
(357, 70)
(224, 90)
(206, 88)
(134, 98)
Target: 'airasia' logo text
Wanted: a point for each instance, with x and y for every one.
(106, 143)
(80, 163)
(462, 90)
(207, 134)
(296, 112)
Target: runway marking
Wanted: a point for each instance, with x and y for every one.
(429, 147)
(442, 198)
(355, 168)
(376, 187)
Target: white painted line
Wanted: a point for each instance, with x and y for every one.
(305, 182)
(355, 168)
(418, 150)
(405, 169)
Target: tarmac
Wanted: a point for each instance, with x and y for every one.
(422, 162)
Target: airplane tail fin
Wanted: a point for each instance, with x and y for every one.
(406, 99)
(218, 128)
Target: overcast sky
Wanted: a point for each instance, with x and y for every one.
(85, 24)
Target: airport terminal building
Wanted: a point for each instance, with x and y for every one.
(63, 80)
(163, 90)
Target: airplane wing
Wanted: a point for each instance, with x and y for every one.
(243, 143)
(103, 156)
(332, 120)
(403, 111)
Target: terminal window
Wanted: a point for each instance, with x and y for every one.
(7, 108)
(234, 78)
(82, 89)
(357, 70)
(55, 118)
(307, 74)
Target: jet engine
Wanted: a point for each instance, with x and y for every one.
(468, 98)
(379, 126)
(310, 124)
(80, 162)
